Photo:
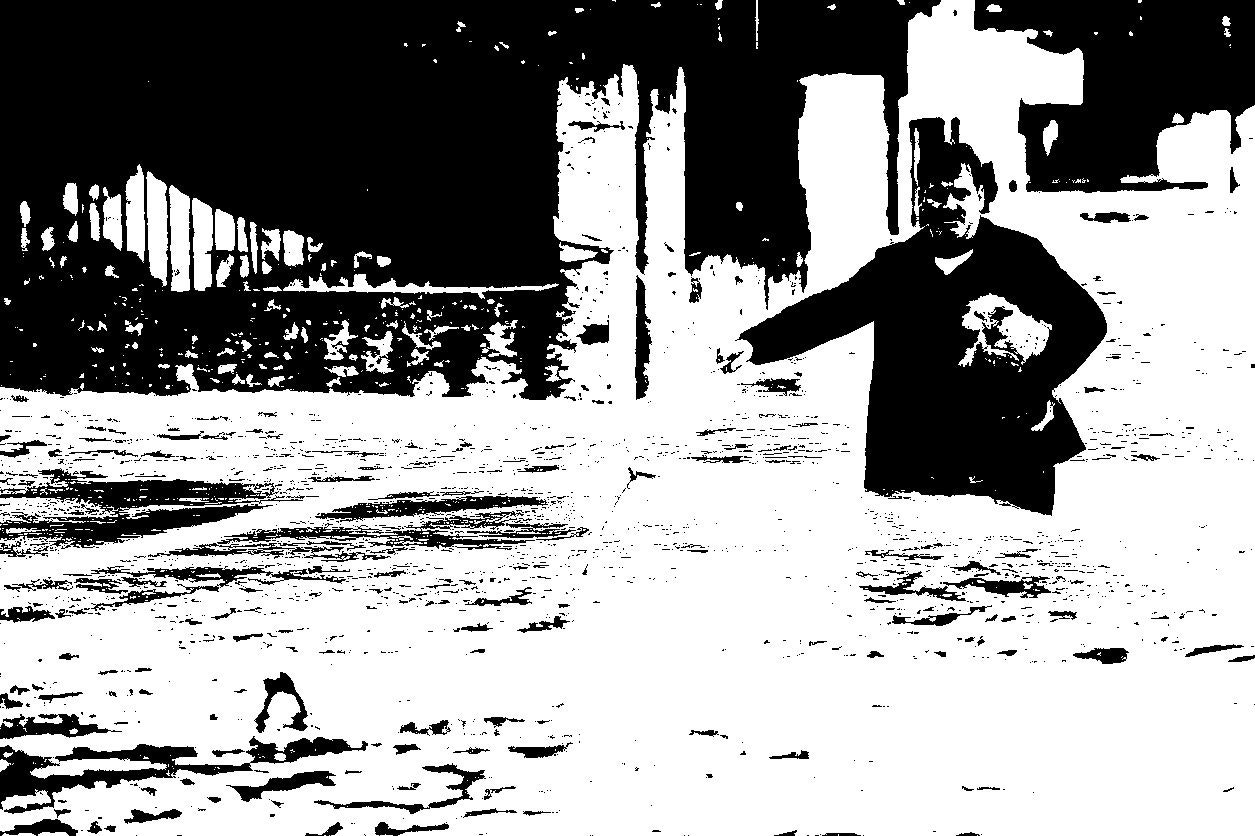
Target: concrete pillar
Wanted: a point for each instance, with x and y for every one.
(842, 144)
(1243, 198)
(596, 227)
(675, 353)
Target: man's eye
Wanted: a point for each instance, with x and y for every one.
(962, 194)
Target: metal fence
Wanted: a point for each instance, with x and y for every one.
(147, 289)
(188, 245)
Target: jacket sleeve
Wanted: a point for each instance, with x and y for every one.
(820, 318)
(1078, 327)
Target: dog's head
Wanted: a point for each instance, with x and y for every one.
(1002, 334)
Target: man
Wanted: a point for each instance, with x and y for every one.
(976, 327)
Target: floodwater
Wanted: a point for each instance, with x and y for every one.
(364, 614)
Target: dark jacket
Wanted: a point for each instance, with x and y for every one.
(931, 420)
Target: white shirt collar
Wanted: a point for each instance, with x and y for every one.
(949, 265)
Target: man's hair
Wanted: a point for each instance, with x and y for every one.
(946, 161)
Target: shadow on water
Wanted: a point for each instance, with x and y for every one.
(414, 504)
(68, 512)
(335, 546)
(383, 527)
(91, 531)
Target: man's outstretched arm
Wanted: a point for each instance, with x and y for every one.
(813, 321)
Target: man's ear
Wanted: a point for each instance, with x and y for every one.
(987, 186)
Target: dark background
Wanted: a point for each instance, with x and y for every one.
(428, 135)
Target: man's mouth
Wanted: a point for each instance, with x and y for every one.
(947, 227)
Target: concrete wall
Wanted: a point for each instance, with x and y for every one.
(978, 78)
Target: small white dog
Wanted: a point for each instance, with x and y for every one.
(1003, 335)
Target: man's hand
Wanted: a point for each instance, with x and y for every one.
(1046, 418)
(1032, 416)
(733, 357)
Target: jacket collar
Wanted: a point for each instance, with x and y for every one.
(917, 244)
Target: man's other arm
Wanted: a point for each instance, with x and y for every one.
(819, 318)
(1078, 327)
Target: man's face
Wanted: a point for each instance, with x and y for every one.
(951, 209)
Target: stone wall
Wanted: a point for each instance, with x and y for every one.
(87, 316)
